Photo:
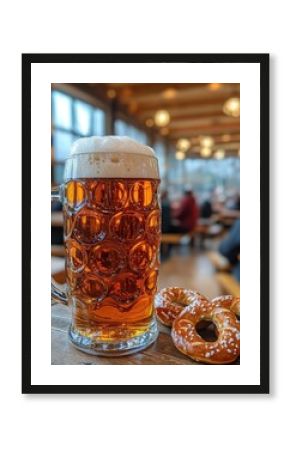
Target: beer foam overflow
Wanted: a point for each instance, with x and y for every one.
(111, 157)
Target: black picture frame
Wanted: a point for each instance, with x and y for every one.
(263, 61)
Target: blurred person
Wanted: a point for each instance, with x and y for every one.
(165, 213)
(206, 209)
(186, 215)
(233, 202)
(230, 248)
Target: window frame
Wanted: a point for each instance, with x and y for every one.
(75, 95)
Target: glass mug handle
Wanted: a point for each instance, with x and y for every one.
(56, 293)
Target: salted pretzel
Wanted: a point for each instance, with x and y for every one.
(187, 340)
(169, 303)
(229, 302)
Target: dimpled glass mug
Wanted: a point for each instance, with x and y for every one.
(112, 235)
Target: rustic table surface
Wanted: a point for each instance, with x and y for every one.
(162, 352)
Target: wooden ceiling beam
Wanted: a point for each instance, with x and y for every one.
(187, 112)
(143, 109)
(234, 138)
(194, 122)
(194, 93)
(148, 88)
(230, 152)
(228, 146)
(212, 131)
(229, 149)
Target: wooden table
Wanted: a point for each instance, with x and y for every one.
(162, 352)
(57, 219)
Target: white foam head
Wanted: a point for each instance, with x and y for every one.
(111, 157)
(113, 144)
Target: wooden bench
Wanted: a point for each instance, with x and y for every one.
(176, 238)
(220, 263)
(57, 219)
(169, 239)
(57, 250)
(206, 229)
(228, 283)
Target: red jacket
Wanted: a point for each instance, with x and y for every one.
(187, 213)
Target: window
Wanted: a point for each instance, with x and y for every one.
(123, 128)
(62, 110)
(203, 175)
(58, 173)
(71, 119)
(83, 114)
(99, 120)
(61, 144)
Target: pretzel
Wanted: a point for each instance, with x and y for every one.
(169, 303)
(187, 340)
(229, 302)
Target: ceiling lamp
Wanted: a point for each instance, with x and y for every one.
(232, 107)
(179, 155)
(206, 141)
(183, 145)
(205, 152)
(214, 86)
(149, 123)
(169, 93)
(111, 93)
(219, 154)
(162, 118)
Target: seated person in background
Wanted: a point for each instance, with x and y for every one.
(230, 248)
(186, 215)
(206, 210)
(165, 213)
(233, 202)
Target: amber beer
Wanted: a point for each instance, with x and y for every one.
(112, 237)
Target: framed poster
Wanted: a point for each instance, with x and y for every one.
(160, 303)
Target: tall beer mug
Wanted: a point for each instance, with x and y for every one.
(112, 235)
